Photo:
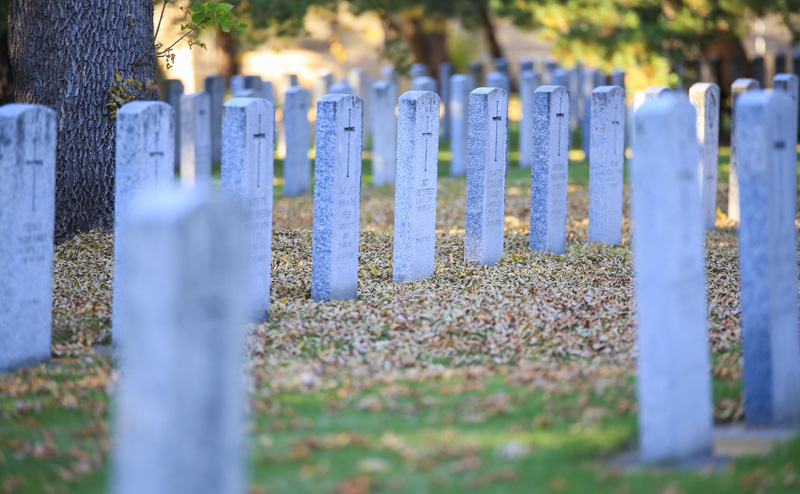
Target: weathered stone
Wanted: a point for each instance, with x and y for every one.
(173, 90)
(788, 83)
(618, 78)
(415, 193)
(525, 64)
(460, 87)
(340, 88)
(768, 258)
(738, 87)
(246, 177)
(706, 98)
(143, 163)
(673, 371)
(424, 83)
(361, 82)
(179, 421)
(195, 140)
(384, 153)
(606, 168)
(337, 198)
(296, 165)
(498, 79)
(445, 71)
(590, 82)
(322, 86)
(214, 85)
(560, 77)
(27, 215)
(419, 70)
(549, 169)
(486, 175)
(476, 73)
(528, 82)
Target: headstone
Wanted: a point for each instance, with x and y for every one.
(445, 71)
(549, 169)
(215, 87)
(758, 70)
(486, 176)
(589, 77)
(322, 86)
(788, 83)
(415, 193)
(195, 140)
(607, 164)
(768, 259)
(560, 77)
(246, 177)
(498, 79)
(143, 163)
(179, 408)
(780, 63)
(424, 83)
(290, 80)
(501, 65)
(337, 198)
(737, 67)
(738, 87)
(27, 214)
(705, 97)
(172, 95)
(673, 371)
(618, 78)
(460, 87)
(419, 70)
(388, 73)
(297, 165)
(261, 88)
(476, 73)
(576, 95)
(525, 64)
(341, 88)
(384, 121)
(529, 81)
(550, 67)
(237, 84)
(361, 82)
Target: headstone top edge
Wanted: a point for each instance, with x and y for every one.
(337, 97)
(608, 89)
(762, 97)
(745, 83)
(551, 89)
(244, 102)
(17, 109)
(703, 86)
(664, 104)
(489, 90)
(137, 107)
(418, 95)
(785, 77)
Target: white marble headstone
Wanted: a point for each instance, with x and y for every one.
(705, 97)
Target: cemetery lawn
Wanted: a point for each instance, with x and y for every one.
(515, 378)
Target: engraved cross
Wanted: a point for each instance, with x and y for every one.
(427, 133)
(559, 114)
(497, 119)
(35, 164)
(351, 131)
(260, 137)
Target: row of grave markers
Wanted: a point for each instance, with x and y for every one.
(222, 283)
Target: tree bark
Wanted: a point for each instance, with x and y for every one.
(428, 46)
(65, 54)
(488, 31)
(227, 54)
(6, 74)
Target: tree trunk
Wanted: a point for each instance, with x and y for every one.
(227, 54)
(428, 45)
(488, 31)
(6, 74)
(65, 54)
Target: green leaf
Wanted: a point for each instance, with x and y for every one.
(198, 17)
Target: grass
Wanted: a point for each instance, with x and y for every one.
(486, 391)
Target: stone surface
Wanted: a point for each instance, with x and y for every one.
(576, 96)
(214, 85)
(706, 99)
(788, 83)
(499, 79)
(617, 78)
(340, 88)
(246, 177)
(27, 214)
(173, 90)
(424, 83)
(590, 82)
(486, 176)
(195, 140)
(143, 163)
(260, 88)
(476, 73)
(460, 87)
(419, 70)
(180, 399)
(384, 152)
(673, 369)
(560, 77)
(549, 169)
(361, 82)
(738, 87)
(415, 192)
(528, 82)
(606, 168)
(525, 64)
(388, 73)
(445, 71)
(322, 86)
(768, 259)
(501, 65)
(296, 165)
(337, 198)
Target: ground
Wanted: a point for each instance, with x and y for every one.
(514, 378)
